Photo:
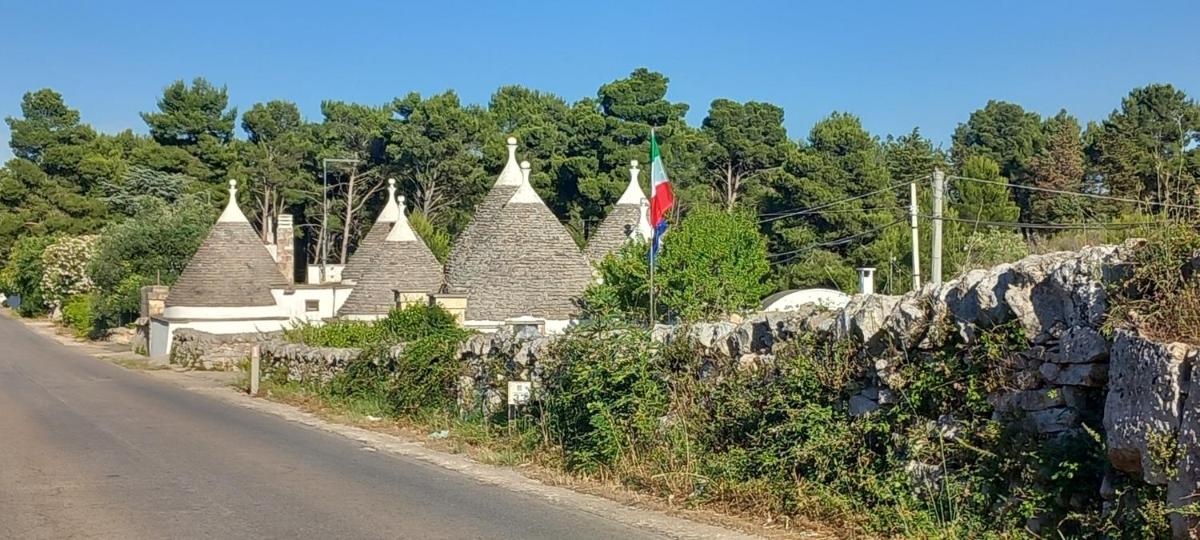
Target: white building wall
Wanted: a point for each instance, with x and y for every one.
(296, 302)
(828, 298)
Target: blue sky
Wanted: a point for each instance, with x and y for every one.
(895, 64)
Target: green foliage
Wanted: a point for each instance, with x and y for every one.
(1161, 296)
(1146, 148)
(141, 189)
(622, 288)
(990, 247)
(78, 315)
(712, 264)
(978, 201)
(605, 396)
(22, 275)
(437, 239)
(340, 333)
(152, 247)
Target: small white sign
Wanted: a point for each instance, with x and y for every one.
(519, 392)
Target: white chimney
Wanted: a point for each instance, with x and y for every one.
(866, 280)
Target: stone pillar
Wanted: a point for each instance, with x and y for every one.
(456, 304)
(404, 299)
(154, 300)
(285, 248)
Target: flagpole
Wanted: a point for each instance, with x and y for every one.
(653, 237)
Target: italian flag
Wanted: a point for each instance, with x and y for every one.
(661, 198)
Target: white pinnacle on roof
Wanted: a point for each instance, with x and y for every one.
(233, 213)
(401, 231)
(633, 192)
(391, 212)
(511, 175)
(525, 193)
(643, 229)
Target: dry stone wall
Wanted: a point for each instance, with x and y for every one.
(202, 350)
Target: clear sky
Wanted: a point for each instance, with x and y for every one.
(895, 64)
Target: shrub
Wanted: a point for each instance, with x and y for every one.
(22, 275)
(605, 395)
(339, 333)
(714, 264)
(78, 315)
(1161, 295)
(152, 247)
(64, 269)
(414, 322)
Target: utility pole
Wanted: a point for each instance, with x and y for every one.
(939, 187)
(916, 236)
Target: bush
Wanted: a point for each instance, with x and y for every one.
(604, 397)
(78, 315)
(714, 264)
(152, 247)
(64, 269)
(339, 333)
(22, 276)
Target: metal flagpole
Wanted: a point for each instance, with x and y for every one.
(653, 237)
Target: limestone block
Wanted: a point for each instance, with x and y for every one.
(1145, 398)
(1081, 345)
(1094, 375)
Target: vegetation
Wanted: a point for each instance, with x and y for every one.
(67, 179)
(715, 264)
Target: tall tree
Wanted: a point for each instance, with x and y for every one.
(435, 147)
(1058, 166)
(978, 201)
(351, 132)
(840, 163)
(1146, 148)
(197, 119)
(46, 123)
(745, 142)
(1005, 133)
(277, 148)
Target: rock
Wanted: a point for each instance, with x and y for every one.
(888, 397)
(1145, 400)
(1030, 278)
(1028, 379)
(1036, 400)
(1095, 375)
(861, 405)
(863, 318)
(1082, 345)
(662, 333)
(1053, 420)
(753, 335)
(711, 337)
(1185, 482)
(908, 321)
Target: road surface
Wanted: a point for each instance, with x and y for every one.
(91, 450)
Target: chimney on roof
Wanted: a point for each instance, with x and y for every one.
(866, 280)
(285, 248)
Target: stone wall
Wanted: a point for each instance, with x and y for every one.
(202, 350)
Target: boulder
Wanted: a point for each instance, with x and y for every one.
(1145, 400)
(863, 318)
(1185, 483)
(1081, 345)
(861, 405)
(1053, 420)
(1094, 375)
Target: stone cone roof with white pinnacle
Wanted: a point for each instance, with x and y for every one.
(464, 265)
(401, 262)
(232, 268)
(371, 242)
(531, 266)
(624, 222)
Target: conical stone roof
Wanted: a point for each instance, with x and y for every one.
(464, 265)
(531, 266)
(625, 221)
(374, 239)
(232, 268)
(400, 262)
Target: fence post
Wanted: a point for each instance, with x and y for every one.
(939, 179)
(255, 369)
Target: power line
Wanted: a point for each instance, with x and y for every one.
(1054, 226)
(837, 242)
(1075, 193)
(790, 213)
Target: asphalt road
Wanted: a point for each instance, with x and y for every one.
(91, 450)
